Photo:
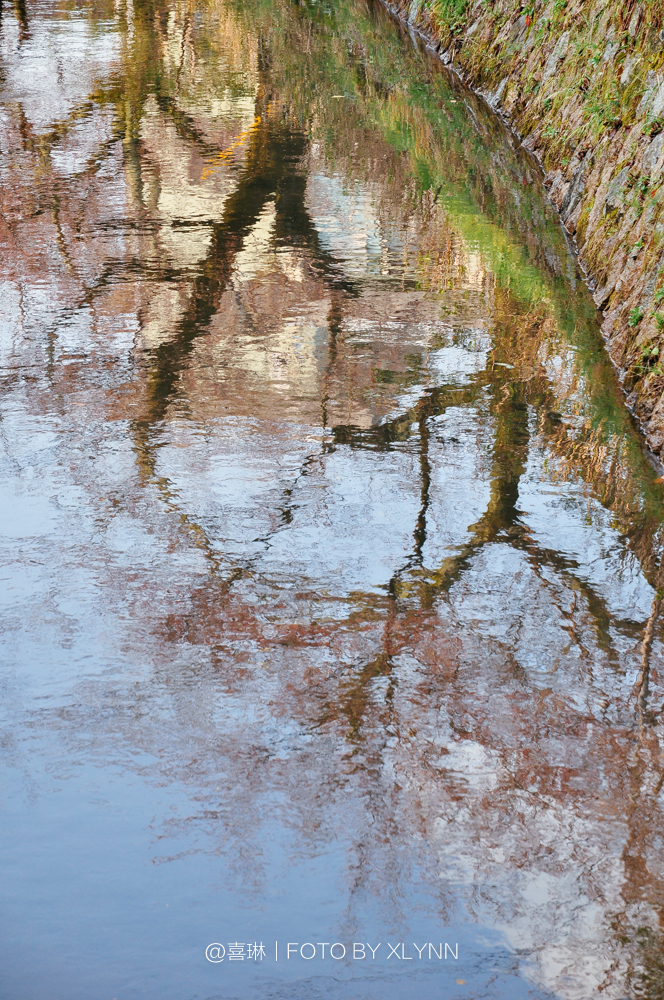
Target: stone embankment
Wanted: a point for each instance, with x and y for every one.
(582, 83)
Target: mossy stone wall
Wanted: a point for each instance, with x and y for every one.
(583, 85)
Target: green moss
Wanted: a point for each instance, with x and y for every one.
(582, 224)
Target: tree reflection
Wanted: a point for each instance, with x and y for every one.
(403, 677)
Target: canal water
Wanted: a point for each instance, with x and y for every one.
(330, 552)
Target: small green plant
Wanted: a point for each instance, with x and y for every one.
(602, 110)
(635, 317)
(549, 132)
(659, 297)
(659, 319)
(558, 11)
(450, 12)
(649, 362)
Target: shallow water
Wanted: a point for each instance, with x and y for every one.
(329, 550)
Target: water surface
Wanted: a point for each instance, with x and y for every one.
(330, 553)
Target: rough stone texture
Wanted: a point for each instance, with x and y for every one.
(582, 83)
